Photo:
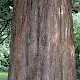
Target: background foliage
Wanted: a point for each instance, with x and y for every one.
(76, 18)
(5, 28)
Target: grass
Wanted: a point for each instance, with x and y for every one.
(3, 74)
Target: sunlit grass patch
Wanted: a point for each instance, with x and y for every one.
(3, 74)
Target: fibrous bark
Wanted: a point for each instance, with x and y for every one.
(42, 46)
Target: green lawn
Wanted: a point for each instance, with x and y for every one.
(3, 74)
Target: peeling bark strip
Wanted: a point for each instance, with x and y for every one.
(42, 45)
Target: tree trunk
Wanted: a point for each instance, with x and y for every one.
(42, 46)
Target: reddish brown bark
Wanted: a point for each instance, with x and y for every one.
(42, 46)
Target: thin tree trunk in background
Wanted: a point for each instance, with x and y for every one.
(42, 46)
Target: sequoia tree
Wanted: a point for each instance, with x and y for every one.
(42, 45)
